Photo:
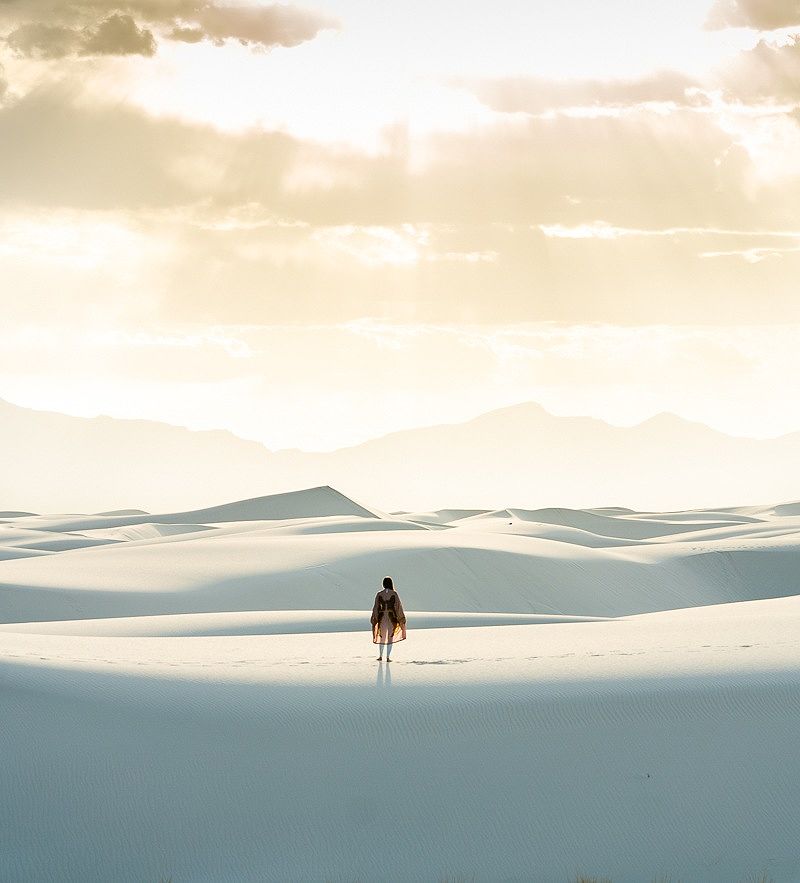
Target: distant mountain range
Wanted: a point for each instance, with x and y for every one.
(519, 456)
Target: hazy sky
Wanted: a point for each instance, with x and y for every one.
(314, 224)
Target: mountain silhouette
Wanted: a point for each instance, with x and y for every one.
(519, 456)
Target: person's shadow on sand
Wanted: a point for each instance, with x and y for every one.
(384, 677)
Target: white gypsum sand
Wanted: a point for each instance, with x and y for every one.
(601, 691)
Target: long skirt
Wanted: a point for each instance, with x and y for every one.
(387, 632)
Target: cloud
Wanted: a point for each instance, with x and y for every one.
(751, 255)
(45, 29)
(764, 15)
(319, 273)
(115, 35)
(79, 157)
(187, 35)
(261, 25)
(36, 39)
(640, 170)
(118, 35)
(162, 265)
(539, 95)
(644, 170)
(769, 71)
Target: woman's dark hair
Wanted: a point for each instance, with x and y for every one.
(387, 583)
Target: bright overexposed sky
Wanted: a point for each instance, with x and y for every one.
(315, 224)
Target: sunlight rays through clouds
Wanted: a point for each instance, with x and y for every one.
(490, 203)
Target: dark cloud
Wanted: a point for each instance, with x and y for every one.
(764, 15)
(49, 29)
(536, 95)
(118, 35)
(115, 35)
(85, 11)
(36, 39)
(187, 35)
(54, 153)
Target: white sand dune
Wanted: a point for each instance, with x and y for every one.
(441, 516)
(315, 502)
(452, 570)
(785, 527)
(144, 531)
(46, 540)
(148, 532)
(331, 524)
(785, 509)
(509, 524)
(8, 553)
(728, 516)
(200, 698)
(663, 744)
(273, 622)
(626, 527)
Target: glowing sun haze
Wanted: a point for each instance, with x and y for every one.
(314, 224)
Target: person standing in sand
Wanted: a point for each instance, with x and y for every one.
(388, 619)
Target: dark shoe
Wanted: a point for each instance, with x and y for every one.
(380, 659)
